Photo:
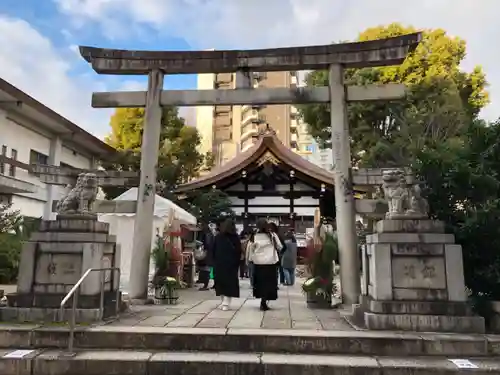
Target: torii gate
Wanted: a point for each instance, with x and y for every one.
(334, 57)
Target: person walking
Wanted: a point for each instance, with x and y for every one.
(289, 258)
(243, 262)
(203, 255)
(263, 253)
(226, 261)
(249, 263)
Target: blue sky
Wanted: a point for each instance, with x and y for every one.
(39, 38)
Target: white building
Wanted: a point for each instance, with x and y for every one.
(310, 151)
(32, 133)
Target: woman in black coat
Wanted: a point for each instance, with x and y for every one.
(226, 261)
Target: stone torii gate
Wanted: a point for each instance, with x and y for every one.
(335, 58)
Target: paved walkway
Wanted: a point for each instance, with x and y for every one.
(200, 309)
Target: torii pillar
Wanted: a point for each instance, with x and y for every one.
(335, 57)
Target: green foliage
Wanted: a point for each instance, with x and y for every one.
(10, 251)
(322, 268)
(463, 188)
(11, 240)
(441, 100)
(434, 130)
(210, 206)
(179, 159)
(159, 254)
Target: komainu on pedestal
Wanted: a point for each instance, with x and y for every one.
(415, 270)
(58, 254)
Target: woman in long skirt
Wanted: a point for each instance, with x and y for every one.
(263, 253)
(226, 260)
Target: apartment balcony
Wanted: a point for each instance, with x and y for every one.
(247, 107)
(223, 85)
(246, 145)
(218, 109)
(294, 113)
(224, 78)
(223, 134)
(248, 131)
(12, 185)
(9, 181)
(222, 120)
(252, 116)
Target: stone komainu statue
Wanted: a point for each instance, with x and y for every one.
(81, 198)
(404, 200)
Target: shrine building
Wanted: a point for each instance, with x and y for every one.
(269, 180)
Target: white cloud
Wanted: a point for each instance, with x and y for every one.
(264, 23)
(30, 62)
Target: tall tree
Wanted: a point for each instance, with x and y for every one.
(441, 99)
(462, 179)
(179, 159)
(210, 206)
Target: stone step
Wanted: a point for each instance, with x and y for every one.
(253, 340)
(123, 362)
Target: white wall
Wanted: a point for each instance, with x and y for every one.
(15, 134)
(75, 159)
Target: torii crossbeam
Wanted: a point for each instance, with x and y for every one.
(334, 57)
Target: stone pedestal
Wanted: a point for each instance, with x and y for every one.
(416, 280)
(54, 259)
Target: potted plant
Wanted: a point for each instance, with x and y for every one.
(160, 256)
(167, 291)
(320, 287)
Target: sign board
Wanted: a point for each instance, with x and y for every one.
(18, 354)
(463, 363)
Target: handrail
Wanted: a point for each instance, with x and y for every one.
(74, 292)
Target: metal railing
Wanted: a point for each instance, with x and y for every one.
(75, 291)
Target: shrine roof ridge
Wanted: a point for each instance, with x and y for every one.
(266, 141)
(380, 52)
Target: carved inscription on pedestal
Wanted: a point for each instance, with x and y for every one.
(417, 249)
(418, 273)
(57, 269)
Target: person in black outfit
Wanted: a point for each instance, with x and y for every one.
(226, 261)
(204, 264)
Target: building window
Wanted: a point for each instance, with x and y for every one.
(12, 168)
(38, 158)
(309, 148)
(6, 199)
(2, 163)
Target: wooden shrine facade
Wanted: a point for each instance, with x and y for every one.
(269, 180)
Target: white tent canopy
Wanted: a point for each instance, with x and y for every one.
(162, 207)
(122, 226)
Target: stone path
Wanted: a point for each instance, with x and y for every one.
(200, 309)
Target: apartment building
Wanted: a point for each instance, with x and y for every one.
(228, 130)
(32, 133)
